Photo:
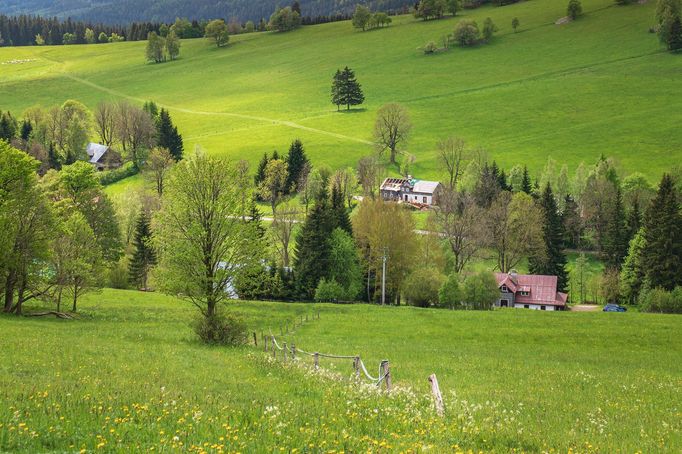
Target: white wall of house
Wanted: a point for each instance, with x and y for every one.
(536, 307)
(421, 198)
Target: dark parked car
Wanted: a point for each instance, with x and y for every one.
(614, 308)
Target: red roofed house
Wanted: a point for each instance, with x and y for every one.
(529, 291)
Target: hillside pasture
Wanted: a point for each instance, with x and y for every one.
(598, 85)
(129, 375)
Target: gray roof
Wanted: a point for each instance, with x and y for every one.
(96, 151)
(425, 187)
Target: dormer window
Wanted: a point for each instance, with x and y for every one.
(504, 289)
(524, 293)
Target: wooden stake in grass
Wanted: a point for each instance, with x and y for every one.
(386, 373)
(255, 339)
(356, 366)
(437, 396)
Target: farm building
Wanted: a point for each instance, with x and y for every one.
(102, 157)
(411, 190)
(529, 291)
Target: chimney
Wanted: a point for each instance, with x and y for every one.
(514, 276)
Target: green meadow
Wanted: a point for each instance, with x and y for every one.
(128, 375)
(601, 84)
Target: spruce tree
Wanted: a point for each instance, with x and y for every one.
(53, 158)
(260, 172)
(525, 182)
(26, 130)
(256, 218)
(296, 162)
(634, 222)
(312, 247)
(8, 127)
(616, 237)
(351, 91)
(553, 261)
(169, 137)
(144, 256)
(662, 255)
(341, 217)
(675, 36)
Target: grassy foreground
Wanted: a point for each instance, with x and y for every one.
(602, 84)
(129, 376)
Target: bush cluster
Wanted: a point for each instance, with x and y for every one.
(221, 329)
(660, 300)
(112, 176)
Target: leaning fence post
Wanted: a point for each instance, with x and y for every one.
(386, 373)
(356, 366)
(274, 348)
(293, 351)
(316, 360)
(437, 396)
(285, 351)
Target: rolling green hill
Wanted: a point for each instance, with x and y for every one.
(599, 85)
(129, 376)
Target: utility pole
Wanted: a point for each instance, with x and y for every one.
(383, 278)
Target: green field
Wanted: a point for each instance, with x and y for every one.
(602, 84)
(128, 375)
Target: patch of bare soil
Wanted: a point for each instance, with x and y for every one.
(563, 20)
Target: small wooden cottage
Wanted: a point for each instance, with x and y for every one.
(102, 157)
(410, 190)
(529, 291)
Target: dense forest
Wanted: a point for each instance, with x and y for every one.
(126, 11)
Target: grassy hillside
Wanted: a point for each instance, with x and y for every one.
(599, 85)
(129, 374)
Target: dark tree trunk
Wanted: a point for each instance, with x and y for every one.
(9, 289)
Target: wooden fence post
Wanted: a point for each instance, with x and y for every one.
(255, 339)
(265, 343)
(285, 351)
(274, 348)
(281, 333)
(437, 396)
(293, 351)
(386, 373)
(316, 360)
(306, 317)
(356, 366)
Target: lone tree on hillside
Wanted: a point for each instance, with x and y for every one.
(574, 9)
(669, 23)
(392, 127)
(466, 33)
(155, 48)
(361, 17)
(346, 90)
(201, 239)
(216, 31)
(515, 23)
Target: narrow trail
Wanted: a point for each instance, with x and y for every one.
(256, 118)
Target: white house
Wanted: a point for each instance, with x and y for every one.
(411, 190)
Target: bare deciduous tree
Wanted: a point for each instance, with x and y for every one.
(369, 175)
(135, 131)
(283, 225)
(105, 122)
(158, 165)
(392, 128)
(461, 222)
(451, 153)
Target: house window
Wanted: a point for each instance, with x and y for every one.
(525, 293)
(424, 199)
(543, 308)
(504, 289)
(504, 303)
(525, 306)
(406, 197)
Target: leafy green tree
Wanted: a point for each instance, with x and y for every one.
(103, 38)
(201, 241)
(273, 187)
(551, 260)
(155, 50)
(172, 46)
(168, 135)
(157, 167)
(422, 285)
(675, 38)
(466, 33)
(450, 293)
(668, 12)
(361, 17)
(344, 264)
(453, 6)
(69, 38)
(284, 19)
(89, 36)
(515, 23)
(574, 9)
(296, 164)
(144, 255)
(480, 290)
(216, 31)
(489, 29)
(662, 255)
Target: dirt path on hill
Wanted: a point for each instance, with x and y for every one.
(585, 308)
(271, 121)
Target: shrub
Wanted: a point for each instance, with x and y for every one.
(466, 33)
(330, 291)
(450, 293)
(574, 9)
(112, 176)
(221, 329)
(489, 29)
(660, 300)
(480, 290)
(421, 287)
(118, 275)
(430, 47)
